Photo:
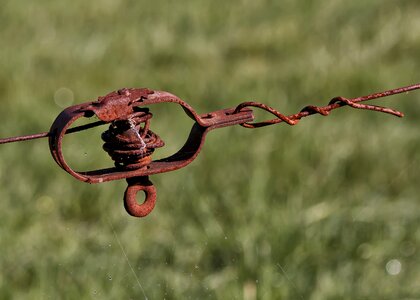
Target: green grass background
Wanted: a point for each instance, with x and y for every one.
(315, 211)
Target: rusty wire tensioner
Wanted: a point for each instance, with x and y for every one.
(130, 142)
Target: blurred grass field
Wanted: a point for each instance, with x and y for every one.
(328, 209)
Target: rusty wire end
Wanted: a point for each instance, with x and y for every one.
(334, 103)
(351, 103)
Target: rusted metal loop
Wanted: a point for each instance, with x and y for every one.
(131, 205)
(280, 116)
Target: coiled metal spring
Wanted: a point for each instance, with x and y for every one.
(130, 142)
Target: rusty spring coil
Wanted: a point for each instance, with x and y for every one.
(130, 142)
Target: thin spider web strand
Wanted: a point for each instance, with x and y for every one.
(126, 258)
(290, 281)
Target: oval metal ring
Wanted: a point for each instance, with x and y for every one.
(131, 205)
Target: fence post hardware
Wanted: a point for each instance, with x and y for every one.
(130, 142)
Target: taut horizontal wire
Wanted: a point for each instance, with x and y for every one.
(47, 134)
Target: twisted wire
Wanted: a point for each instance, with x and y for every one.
(325, 110)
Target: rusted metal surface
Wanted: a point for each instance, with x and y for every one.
(184, 156)
(131, 144)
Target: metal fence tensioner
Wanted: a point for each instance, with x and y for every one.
(130, 142)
